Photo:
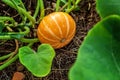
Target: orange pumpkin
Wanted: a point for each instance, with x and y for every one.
(56, 29)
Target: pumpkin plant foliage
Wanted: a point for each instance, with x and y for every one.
(105, 7)
(39, 63)
(99, 55)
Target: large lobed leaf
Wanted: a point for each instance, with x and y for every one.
(108, 7)
(38, 63)
(99, 55)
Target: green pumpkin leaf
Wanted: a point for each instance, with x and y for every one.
(38, 63)
(108, 7)
(99, 55)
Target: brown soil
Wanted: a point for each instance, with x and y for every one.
(85, 18)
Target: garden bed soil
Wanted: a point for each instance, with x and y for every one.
(85, 18)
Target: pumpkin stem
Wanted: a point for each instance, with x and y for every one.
(62, 40)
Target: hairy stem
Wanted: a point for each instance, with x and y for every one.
(17, 8)
(69, 4)
(11, 35)
(4, 18)
(13, 53)
(57, 5)
(73, 7)
(32, 19)
(29, 40)
(9, 62)
(5, 56)
(37, 9)
(42, 13)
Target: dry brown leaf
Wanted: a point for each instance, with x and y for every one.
(18, 76)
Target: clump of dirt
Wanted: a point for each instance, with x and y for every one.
(85, 18)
